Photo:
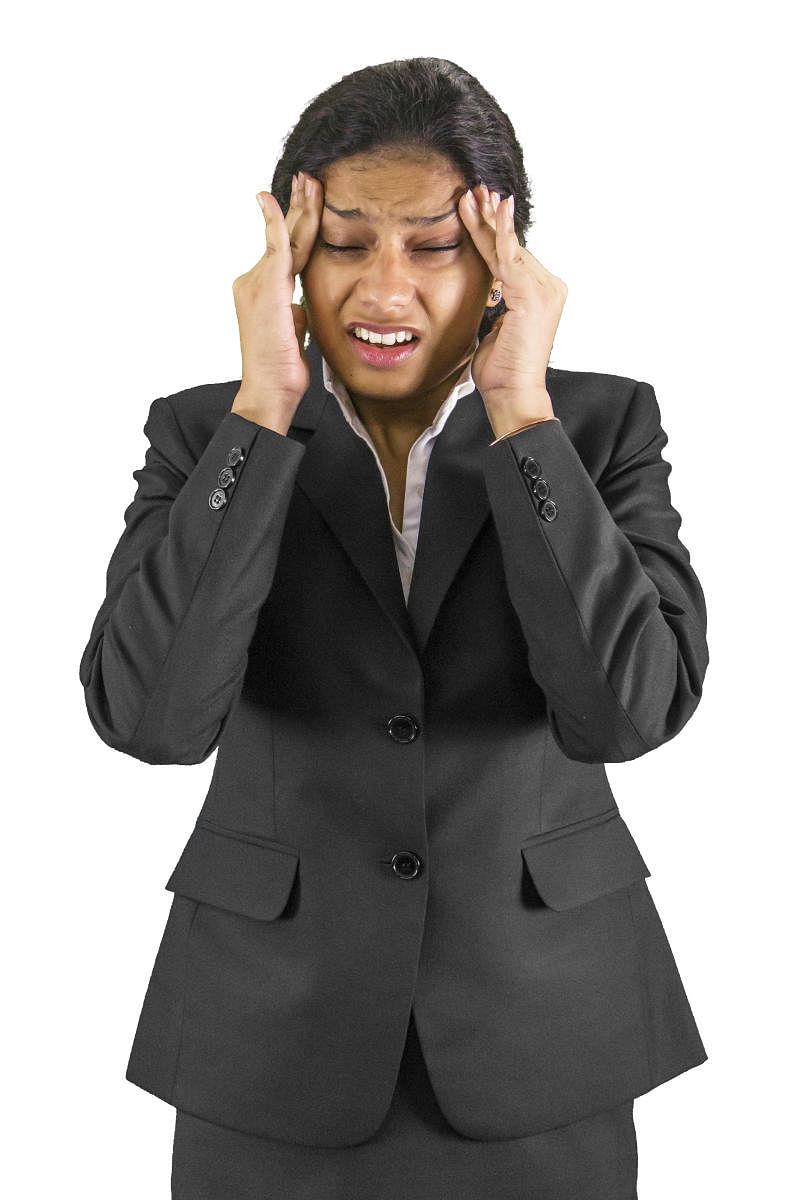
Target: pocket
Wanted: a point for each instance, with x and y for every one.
(581, 862)
(241, 872)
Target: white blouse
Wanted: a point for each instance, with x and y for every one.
(405, 543)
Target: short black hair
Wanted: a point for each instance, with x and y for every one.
(428, 104)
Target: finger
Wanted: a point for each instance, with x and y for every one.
(481, 224)
(473, 211)
(511, 254)
(485, 205)
(277, 237)
(507, 244)
(509, 249)
(304, 218)
(490, 203)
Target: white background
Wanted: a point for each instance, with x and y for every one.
(661, 156)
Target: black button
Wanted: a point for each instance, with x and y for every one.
(235, 456)
(406, 864)
(548, 509)
(530, 467)
(225, 477)
(541, 488)
(403, 728)
(217, 498)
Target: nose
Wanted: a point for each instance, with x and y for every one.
(386, 281)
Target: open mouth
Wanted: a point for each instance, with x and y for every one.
(378, 354)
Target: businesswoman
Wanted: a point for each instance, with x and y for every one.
(416, 587)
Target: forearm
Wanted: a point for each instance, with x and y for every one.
(168, 649)
(612, 612)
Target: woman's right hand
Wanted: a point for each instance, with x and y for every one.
(272, 330)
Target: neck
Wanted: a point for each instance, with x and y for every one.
(395, 423)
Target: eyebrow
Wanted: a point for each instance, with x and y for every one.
(355, 214)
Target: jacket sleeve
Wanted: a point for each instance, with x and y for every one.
(613, 614)
(168, 649)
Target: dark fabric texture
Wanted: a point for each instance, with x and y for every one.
(415, 1155)
(463, 734)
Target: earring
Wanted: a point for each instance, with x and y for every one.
(495, 295)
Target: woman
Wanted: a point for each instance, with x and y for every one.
(417, 587)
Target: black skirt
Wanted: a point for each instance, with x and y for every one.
(415, 1155)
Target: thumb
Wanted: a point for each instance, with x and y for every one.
(274, 224)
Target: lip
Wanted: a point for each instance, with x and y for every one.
(375, 355)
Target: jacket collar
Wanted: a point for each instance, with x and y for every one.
(340, 477)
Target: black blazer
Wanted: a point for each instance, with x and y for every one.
(409, 806)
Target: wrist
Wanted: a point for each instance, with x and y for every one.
(265, 408)
(510, 413)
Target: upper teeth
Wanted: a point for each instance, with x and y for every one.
(386, 339)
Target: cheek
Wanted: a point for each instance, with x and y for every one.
(460, 296)
(478, 273)
(310, 275)
(322, 287)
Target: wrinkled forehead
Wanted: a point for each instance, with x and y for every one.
(409, 191)
(404, 214)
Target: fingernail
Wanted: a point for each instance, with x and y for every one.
(308, 186)
(511, 206)
(471, 201)
(294, 186)
(260, 200)
(495, 198)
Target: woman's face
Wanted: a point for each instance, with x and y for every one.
(395, 274)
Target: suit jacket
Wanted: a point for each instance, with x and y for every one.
(409, 806)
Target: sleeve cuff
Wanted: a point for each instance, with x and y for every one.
(520, 428)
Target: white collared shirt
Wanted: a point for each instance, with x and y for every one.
(405, 542)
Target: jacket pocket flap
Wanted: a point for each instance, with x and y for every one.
(574, 865)
(241, 872)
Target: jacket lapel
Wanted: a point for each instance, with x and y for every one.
(340, 477)
(455, 505)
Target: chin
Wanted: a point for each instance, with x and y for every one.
(394, 384)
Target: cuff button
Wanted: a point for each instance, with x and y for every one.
(530, 467)
(217, 499)
(235, 456)
(548, 510)
(541, 488)
(225, 477)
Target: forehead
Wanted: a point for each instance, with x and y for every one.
(401, 189)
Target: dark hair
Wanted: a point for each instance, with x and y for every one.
(428, 104)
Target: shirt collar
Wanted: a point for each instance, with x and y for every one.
(464, 385)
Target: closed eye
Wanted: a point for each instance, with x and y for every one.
(423, 250)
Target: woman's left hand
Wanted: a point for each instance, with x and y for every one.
(510, 363)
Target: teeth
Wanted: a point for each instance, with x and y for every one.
(384, 339)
